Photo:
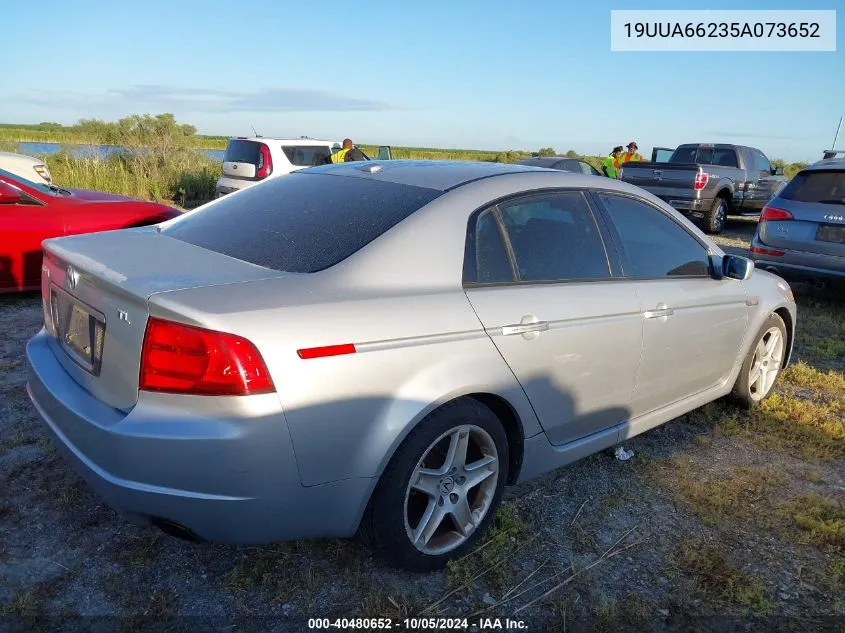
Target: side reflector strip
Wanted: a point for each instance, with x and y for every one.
(329, 350)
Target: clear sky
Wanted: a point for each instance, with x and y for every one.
(470, 74)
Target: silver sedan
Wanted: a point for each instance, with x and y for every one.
(383, 347)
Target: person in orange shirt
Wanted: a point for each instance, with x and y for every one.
(631, 155)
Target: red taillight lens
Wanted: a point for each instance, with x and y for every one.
(766, 251)
(774, 213)
(701, 181)
(265, 162)
(179, 358)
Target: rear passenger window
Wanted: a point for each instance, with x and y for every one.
(492, 264)
(555, 237)
(654, 245)
(307, 155)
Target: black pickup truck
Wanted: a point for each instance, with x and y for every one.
(708, 182)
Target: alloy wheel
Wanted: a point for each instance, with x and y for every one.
(451, 489)
(765, 366)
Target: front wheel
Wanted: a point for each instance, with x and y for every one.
(441, 489)
(763, 364)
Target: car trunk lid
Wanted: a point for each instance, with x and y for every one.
(95, 291)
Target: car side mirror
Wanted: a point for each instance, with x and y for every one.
(9, 194)
(736, 267)
(384, 153)
(777, 171)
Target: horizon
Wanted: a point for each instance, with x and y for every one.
(440, 76)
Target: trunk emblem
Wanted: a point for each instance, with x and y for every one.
(123, 316)
(834, 218)
(72, 278)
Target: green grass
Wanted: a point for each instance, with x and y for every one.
(820, 518)
(181, 177)
(507, 532)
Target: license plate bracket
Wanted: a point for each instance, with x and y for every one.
(831, 233)
(80, 330)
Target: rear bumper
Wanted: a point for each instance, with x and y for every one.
(800, 267)
(224, 478)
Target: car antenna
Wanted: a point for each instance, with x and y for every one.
(253, 131)
(837, 134)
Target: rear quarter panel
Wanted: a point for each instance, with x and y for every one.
(347, 414)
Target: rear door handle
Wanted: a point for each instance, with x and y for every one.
(662, 310)
(525, 328)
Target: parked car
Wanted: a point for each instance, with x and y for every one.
(562, 162)
(32, 212)
(709, 182)
(249, 160)
(289, 367)
(801, 233)
(26, 167)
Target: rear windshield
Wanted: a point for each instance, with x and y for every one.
(307, 155)
(238, 151)
(300, 223)
(722, 156)
(825, 187)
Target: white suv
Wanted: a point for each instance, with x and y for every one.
(249, 160)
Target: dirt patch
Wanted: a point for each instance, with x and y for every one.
(723, 520)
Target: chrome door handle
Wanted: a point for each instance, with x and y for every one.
(524, 328)
(662, 310)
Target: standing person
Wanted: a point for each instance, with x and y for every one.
(348, 153)
(610, 165)
(631, 155)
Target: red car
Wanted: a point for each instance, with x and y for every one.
(32, 212)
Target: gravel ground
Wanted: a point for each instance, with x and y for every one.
(722, 520)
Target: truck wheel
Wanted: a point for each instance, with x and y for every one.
(714, 221)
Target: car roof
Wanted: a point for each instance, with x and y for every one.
(303, 140)
(829, 163)
(441, 175)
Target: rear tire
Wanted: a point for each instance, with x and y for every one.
(762, 365)
(717, 216)
(423, 486)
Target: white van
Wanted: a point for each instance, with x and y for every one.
(26, 167)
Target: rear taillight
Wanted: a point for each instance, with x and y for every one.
(265, 162)
(179, 358)
(701, 181)
(774, 213)
(766, 251)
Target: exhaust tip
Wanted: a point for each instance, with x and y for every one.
(174, 529)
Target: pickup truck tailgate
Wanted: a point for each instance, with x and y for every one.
(662, 179)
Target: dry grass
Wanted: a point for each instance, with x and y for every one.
(714, 576)
(821, 519)
(718, 497)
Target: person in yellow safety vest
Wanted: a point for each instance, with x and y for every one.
(610, 165)
(631, 155)
(348, 153)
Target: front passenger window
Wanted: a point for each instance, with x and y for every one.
(654, 245)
